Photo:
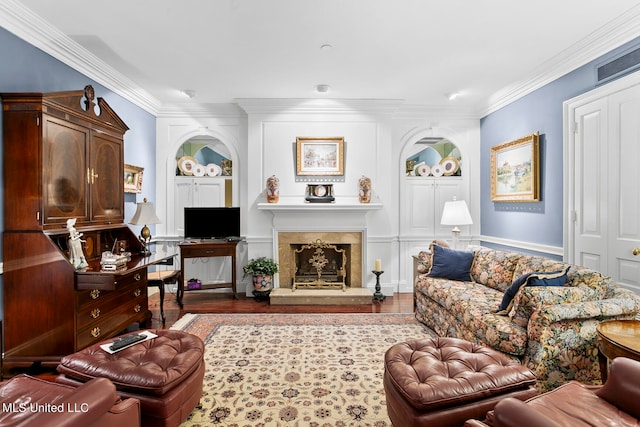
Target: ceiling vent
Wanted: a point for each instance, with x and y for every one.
(618, 67)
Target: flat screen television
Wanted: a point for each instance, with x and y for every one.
(211, 222)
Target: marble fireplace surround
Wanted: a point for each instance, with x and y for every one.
(298, 223)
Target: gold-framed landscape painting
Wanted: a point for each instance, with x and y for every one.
(515, 170)
(133, 179)
(320, 156)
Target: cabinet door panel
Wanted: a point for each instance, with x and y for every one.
(183, 193)
(420, 210)
(64, 172)
(209, 192)
(107, 180)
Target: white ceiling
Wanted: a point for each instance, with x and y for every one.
(417, 51)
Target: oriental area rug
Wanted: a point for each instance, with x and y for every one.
(294, 370)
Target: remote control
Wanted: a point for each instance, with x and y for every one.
(126, 340)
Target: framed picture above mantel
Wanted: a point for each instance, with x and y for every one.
(320, 156)
(515, 170)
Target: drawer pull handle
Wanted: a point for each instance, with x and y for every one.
(95, 313)
(95, 294)
(137, 308)
(137, 293)
(95, 332)
(137, 277)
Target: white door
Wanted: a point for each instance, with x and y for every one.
(624, 187)
(603, 190)
(591, 185)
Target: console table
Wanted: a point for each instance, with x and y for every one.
(208, 249)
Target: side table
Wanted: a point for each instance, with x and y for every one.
(208, 249)
(617, 338)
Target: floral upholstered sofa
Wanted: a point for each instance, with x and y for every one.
(550, 329)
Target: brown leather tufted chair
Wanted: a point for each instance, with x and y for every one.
(29, 401)
(574, 404)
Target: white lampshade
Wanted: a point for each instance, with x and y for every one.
(456, 212)
(145, 214)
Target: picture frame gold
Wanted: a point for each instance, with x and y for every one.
(320, 156)
(515, 170)
(133, 179)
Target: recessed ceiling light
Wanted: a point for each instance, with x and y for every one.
(322, 88)
(326, 46)
(453, 95)
(190, 93)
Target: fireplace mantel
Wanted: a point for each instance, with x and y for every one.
(341, 204)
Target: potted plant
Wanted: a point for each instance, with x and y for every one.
(262, 269)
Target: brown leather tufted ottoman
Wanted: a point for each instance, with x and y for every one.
(446, 381)
(164, 373)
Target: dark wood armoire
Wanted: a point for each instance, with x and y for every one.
(63, 158)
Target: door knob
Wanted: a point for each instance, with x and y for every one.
(635, 251)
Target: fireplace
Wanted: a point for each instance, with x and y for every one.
(342, 224)
(337, 254)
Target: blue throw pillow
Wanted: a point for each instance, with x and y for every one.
(553, 278)
(450, 264)
(511, 292)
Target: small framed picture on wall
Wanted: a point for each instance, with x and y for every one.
(132, 179)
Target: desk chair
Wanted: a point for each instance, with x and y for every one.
(161, 278)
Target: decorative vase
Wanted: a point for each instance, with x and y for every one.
(262, 282)
(273, 189)
(364, 193)
(262, 287)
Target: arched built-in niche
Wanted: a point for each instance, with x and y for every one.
(201, 171)
(432, 172)
(418, 225)
(207, 157)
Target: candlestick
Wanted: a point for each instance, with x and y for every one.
(377, 295)
(378, 265)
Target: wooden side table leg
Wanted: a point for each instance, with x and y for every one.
(162, 302)
(603, 362)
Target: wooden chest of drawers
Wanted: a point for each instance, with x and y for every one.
(102, 313)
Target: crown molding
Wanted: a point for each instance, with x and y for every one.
(28, 26)
(25, 24)
(614, 34)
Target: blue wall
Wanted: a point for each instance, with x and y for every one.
(24, 68)
(540, 111)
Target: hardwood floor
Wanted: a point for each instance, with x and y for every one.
(214, 301)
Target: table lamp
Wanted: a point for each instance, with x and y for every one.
(456, 213)
(145, 214)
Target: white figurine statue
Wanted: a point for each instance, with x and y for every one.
(76, 255)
